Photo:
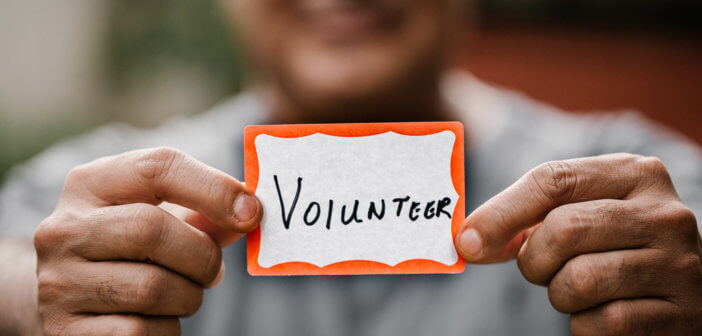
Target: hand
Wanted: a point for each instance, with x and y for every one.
(609, 237)
(111, 262)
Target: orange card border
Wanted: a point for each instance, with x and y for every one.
(414, 266)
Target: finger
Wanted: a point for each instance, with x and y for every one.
(646, 316)
(494, 224)
(120, 325)
(164, 174)
(144, 232)
(578, 228)
(126, 287)
(589, 280)
(219, 278)
(221, 236)
(512, 248)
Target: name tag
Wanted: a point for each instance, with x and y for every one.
(383, 198)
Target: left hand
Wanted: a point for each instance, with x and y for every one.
(609, 237)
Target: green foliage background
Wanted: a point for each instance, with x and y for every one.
(141, 36)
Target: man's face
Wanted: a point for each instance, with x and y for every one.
(325, 53)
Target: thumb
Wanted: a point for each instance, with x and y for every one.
(497, 229)
(470, 246)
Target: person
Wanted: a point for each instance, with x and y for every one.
(139, 229)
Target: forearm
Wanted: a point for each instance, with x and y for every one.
(18, 288)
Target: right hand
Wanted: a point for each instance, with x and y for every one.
(110, 261)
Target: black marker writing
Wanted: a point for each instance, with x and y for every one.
(399, 202)
(331, 206)
(440, 208)
(354, 214)
(429, 210)
(414, 208)
(375, 211)
(307, 212)
(286, 219)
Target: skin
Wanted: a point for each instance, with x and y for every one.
(608, 235)
(349, 60)
(108, 249)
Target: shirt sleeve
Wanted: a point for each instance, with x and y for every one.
(32, 189)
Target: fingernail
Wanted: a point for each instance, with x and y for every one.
(471, 244)
(245, 207)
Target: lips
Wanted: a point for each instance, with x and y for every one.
(344, 20)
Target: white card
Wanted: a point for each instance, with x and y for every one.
(379, 203)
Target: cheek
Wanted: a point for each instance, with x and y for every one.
(432, 25)
(263, 25)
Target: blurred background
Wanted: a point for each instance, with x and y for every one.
(67, 66)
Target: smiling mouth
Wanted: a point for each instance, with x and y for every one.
(345, 21)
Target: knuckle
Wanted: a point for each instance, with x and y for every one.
(139, 326)
(615, 319)
(681, 217)
(528, 270)
(45, 236)
(584, 281)
(193, 305)
(78, 174)
(560, 301)
(152, 164)
(146, 225)
(533, 263)
(690, 265)
(569, 228)
(558, 297)
(556, 180)
(51, 286)
(54, 322)
(577, 327)
(652, 165)
(152, 288)
(626, 159)
(52, 328)
(51, 232)
(134, 326)
(213, 256)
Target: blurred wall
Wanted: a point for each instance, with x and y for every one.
(583, 70)
(50, 59)
(51, 70)
(589, 55)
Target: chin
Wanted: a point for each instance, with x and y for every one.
(360, 95)
(351, 85)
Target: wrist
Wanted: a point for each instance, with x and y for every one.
(18, 288)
